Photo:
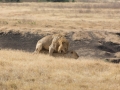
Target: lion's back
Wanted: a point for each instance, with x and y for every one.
(45, 41)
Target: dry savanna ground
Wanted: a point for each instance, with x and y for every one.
(20, 70)
(59, 16)
(24, 71)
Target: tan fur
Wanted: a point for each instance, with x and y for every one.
(74, 54)
(53, 43)
(69, 54)
(43, 43)
(63, 45)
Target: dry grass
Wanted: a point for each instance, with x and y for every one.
(24, 71)
(37, 17)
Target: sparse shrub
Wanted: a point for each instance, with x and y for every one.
(26, 22)
(14, 86)
(3, 22)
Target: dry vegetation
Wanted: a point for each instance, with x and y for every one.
(21, 70)
(60, 16)
(24, 71)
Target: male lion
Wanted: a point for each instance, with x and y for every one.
(63, 45)
(59, 43)
(53, 43)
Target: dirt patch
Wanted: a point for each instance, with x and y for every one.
(86, 44)
(17, 40)
(95, 44)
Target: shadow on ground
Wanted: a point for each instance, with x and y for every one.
(16, 40)
(87, 43)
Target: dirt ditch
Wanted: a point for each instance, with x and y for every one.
(86, 43)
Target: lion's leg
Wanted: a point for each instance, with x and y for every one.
(60, 49)
(51, 50)
(65, 48)
(38, 48)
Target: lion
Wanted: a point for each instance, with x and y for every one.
(59, 43)
(63, 45)
(69, 54)
(53, 47)
(52, 43)
(43, 43)
(74, 55)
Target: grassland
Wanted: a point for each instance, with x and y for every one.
(60, 16)
(21, 70)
